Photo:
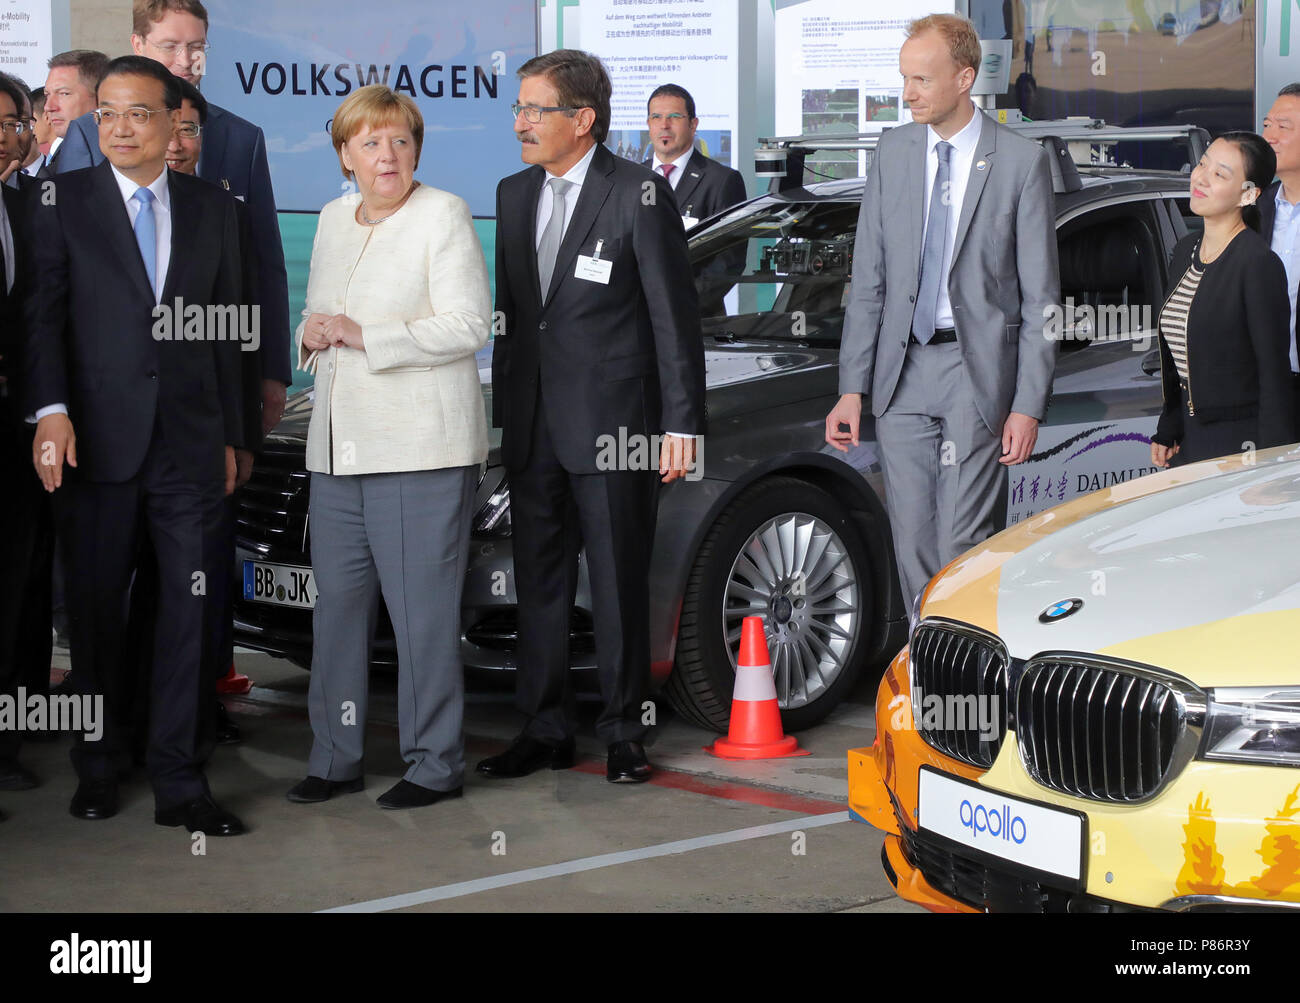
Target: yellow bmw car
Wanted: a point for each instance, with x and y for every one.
(1098, 709)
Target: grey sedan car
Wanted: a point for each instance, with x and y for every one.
(779, 524)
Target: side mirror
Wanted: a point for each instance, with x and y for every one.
(1151, 362)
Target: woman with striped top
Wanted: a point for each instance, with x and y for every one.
(1225, 324)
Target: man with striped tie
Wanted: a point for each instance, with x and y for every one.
(134, 380)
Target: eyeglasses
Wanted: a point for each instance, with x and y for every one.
(533, 113)
(673, 116)
(189, 130)
(14, 128)
(137, 116)
(169, 49)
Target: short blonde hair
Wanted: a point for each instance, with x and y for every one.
(957, 31)
(375, 107)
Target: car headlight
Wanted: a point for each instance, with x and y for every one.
(1253, 724)
(493, 519)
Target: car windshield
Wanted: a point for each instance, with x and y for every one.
(776, 270)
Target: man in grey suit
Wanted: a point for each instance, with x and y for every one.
(955, 270)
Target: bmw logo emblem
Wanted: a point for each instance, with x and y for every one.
(1060, 610)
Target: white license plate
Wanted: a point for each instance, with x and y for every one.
(1031, 835)
(279, 584)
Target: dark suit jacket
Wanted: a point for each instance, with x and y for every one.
(1267, 215)
(628, 355)
(11, 346)
(90, 332)
(1237, 333)
(707, 187)
(234, 157)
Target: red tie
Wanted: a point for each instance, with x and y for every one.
(667, 169)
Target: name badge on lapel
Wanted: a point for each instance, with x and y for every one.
(592, 269)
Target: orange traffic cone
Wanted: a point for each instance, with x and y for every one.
(755, 731)
(234, 682)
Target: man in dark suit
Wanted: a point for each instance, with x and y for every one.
(1279, 208)
(586, 242)
(24, 511)
(148, 419)
(175, 33)
(69, 94)
(702, 187)
(183, 154)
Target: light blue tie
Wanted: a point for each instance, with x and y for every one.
(146, 233)
(936, 232)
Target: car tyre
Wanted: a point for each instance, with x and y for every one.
(776, 531)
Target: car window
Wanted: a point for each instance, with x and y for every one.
(777, 270)
(1182, 207)
(1110, 275)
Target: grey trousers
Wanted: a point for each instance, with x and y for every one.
(407, 533)
(944, 485)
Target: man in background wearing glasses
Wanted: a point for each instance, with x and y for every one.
(175, 33)
(137, 429)
(702, 187)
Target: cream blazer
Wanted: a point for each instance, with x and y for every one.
(417, 286)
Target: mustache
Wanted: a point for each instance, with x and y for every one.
(526, 138)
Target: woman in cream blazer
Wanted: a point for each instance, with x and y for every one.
(397, 305)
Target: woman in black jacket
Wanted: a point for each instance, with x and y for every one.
(1225, 323)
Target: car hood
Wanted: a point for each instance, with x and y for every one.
(741, 378)
(1194, 570)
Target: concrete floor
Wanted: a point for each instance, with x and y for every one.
(705, 834)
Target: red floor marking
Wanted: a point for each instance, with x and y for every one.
(671, 779)
(722, 789)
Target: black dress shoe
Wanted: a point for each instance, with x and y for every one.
(627, 764)
(95, 799)
(16, 777)
(227, 732)
(527, 755)
(315, 789)
(405, 794)
(201, 815)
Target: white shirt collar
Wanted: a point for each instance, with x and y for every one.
(577, 174)
(964, 141)
(158, 186)
(55, 143)
(679, 163)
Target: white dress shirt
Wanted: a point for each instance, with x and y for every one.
(575, 175)
(679, 164)
(964, 144)
(1285, 241)
(162, 217)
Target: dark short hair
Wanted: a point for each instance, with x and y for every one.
(146, 13)
(17, 91)
(1260, 163)
(672, 91)
(191, 94)
(143, 66)
(91, 65)
(38, 100)
(580, 81)
(1290, 91)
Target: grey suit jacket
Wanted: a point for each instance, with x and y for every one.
(1004, 275)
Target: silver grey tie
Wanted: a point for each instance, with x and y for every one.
(549, 249)
(936, 232)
